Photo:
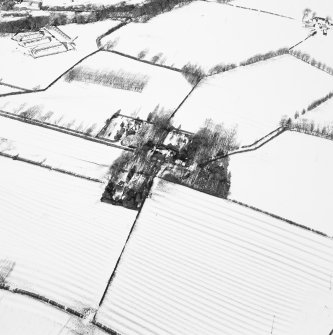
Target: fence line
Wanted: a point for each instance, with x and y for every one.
(49, 167)
(61, 129)
(55, 304)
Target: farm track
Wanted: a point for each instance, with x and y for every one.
(55, 304)
(62, 130)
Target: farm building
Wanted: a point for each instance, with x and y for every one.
(58, 150)
(47, 41)
(320, 24)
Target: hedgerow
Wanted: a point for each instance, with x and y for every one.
(262, 57)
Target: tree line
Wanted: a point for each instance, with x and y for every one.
(308, 127)
(60, 15)
(117, 79)
(312, 61)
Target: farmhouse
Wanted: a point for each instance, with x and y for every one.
(320, 24)
(30, 4)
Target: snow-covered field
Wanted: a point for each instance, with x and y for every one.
(291, 176)
(196, 264)
(22, 315)
(319, 47)
(254, 97)
(82, 104)
(56, 149)
(66, 3)
(63, 240)
(23, 70)
(207, 34)
(292, 8)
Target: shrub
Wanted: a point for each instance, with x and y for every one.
(193, 73)
(90, 129)
(6, 268)
(31, 112)
(156, 58)
(142, 54)
(46, 116)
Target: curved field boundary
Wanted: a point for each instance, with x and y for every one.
(254, 146)
(55, 304)
(62, 130)
(110, 31)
